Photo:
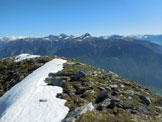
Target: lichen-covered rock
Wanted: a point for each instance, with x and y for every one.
(78, 112)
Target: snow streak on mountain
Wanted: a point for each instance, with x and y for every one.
(32, 100)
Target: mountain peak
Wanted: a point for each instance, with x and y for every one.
(86, 35)
(63, 35)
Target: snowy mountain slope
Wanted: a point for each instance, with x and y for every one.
(24, 56)
(91, 94)
(31, 96)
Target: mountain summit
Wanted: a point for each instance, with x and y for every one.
(84, 36)
(131, 58)
(36, 88)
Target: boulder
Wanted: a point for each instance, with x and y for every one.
(78, 112)
(56, 81)
(101, 97)
(79, 75)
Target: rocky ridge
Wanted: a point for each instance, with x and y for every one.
(92, 95)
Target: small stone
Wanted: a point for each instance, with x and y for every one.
(134, 111)
(145, 100)
(113, 86)
(59, 95)
(127, 84)
(80, 91)
(101, 88)
(129, 92)
(106, 102)
(130, 98)
(114, 93)
(79, 75)
(108, 88)
(42, 100)
(90, 106)
(127, 106)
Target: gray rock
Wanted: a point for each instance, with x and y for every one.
(78, 112)
(145, 100)
(60, 74)
(113, 102)
(101, 97)
(95, 73)
(144, 109)
(127, 106)
(42, 100)
(79, 75)
(115, 99)
(113, 86)
(74, 63)
(129, 92)
(106, 102)
(108, 88)
(127, 84)
(80, 91)
(158, 102)
(101, 88)
(56, 81)
(114, 93)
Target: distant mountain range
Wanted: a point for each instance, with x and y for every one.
(153, 38)
(131, 57)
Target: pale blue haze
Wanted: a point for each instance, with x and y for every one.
(98, 17)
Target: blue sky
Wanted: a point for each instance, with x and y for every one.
(98, 17)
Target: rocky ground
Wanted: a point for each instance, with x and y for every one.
(92, 95)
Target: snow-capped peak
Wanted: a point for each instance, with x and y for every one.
(85, 36)
(11, 38)
(63, 36)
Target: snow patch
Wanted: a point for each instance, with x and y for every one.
(32, 100)
(24, 56)
(11, 38)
